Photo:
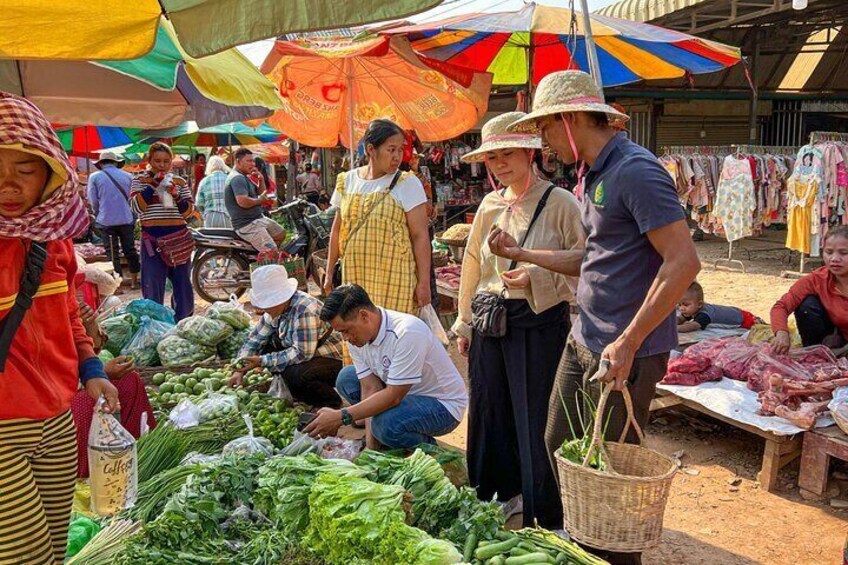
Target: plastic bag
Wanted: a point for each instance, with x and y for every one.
(80, 532)
(174, 350)
(105, 356)
(195, 457)
(153, 310)
(142, 347)
(205, 331)
(429, 316)
(184, 415)
(839, 407)
(279, 389)
(735, 358)
(338, 448)
(112, 462)
(301, 445)
(249, 444)
(216, 405)
(107, 283)
(230, 347)
(119, 331)
(230, 312)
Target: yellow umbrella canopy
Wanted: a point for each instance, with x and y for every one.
(118, 29)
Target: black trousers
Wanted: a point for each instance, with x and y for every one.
(510, 381)
(314, 381)
(117, 239)
(814, 324)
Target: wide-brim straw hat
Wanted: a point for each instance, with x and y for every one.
(565, 91)
(496, 135)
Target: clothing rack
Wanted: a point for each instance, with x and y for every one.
(737, 149)
(815, 138)
(822, 136)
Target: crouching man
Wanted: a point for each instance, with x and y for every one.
(402, 382)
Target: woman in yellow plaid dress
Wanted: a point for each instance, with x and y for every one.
(380, 235)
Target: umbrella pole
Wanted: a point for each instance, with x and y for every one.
(87, 159)
(350, 115)
(591, 52)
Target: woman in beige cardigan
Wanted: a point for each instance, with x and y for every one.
(511, 377)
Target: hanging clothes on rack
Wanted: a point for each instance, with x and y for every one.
(735, 201)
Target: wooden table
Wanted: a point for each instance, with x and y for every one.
(819, 446)
(779, 450)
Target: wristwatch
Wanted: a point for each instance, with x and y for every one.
(347, 419)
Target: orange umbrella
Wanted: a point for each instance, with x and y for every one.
(332, 86)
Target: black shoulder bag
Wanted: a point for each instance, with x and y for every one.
(488, 311)
(30, 281)
(337, 273)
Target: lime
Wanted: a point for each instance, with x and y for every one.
(178, 388)
(191, 383)
(166, 388)
(198, 389)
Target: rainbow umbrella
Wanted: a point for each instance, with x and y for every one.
(538, 40)
(237, 133)
(85, 140)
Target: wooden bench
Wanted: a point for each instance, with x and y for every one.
(779, 450)
(819, 446)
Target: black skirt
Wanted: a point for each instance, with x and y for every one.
(510, 383)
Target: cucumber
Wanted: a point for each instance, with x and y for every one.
(496, 560)
(538, 557)
(470, 546)
(490, 551)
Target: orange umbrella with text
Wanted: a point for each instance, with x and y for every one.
(332, 86)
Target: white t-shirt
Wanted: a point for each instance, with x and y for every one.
(408, 191)
(406, 352)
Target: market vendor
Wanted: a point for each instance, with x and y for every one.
(244, 196)
(638, 262)
(291, 340)
(402, 382)
(44, 351)
(819, 300)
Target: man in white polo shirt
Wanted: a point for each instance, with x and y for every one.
(402, 381)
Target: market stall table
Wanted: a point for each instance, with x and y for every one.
(783, 440)
(819, 447)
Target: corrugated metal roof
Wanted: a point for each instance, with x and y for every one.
(645, 10)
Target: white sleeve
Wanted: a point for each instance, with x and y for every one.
(362, 368)
(410, 193)
(407, 367)
(336, 199)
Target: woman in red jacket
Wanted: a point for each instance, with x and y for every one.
(44, 351)
(819, 300)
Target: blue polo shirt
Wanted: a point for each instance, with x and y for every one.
(628, 194)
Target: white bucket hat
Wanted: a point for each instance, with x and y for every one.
(565, 91)
(271, 286)
(496, 135)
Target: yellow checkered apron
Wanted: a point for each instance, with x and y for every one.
(379, 257)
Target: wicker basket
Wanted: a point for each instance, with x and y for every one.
(455, 246)
(621, 509)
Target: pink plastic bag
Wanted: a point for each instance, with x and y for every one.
(735, 358)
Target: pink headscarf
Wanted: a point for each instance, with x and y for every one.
(62, 214)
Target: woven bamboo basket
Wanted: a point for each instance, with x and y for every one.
(620, 509)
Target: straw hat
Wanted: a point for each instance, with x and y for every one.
(108, 157)
(271, 286)
(496, 135)
(565, 91)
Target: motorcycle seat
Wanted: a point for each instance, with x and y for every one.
(219, 232)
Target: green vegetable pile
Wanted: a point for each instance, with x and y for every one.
(230, 347)
(119, 331)
(204, 331)
(530, 546)
(171, 388)
(174, 350)
(230, 312)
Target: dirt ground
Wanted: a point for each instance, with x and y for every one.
(717, 514)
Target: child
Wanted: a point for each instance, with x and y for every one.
(695, 315)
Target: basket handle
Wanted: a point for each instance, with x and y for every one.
(597, 444)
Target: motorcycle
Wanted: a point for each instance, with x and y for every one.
(221, 266)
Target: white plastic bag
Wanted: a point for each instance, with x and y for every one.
(231, 312)
(249, 444)
(429, 316)
(113, 464)
(279, 389)
(184, 415)
(216, 405)
(302, 444)
(839, 407)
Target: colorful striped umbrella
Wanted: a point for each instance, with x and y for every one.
(237, 133)
(161, 89)
(85, 140)
(538, 40)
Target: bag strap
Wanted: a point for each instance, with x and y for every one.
(364, 220)
(323, 339)
(30, 281)
(539, 207)
(114, 182)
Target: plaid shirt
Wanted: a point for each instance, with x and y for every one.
(297, 331)
(210, 194)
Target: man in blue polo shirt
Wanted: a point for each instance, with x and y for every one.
(638, 261)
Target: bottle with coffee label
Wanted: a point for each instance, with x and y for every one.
(113, 464)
